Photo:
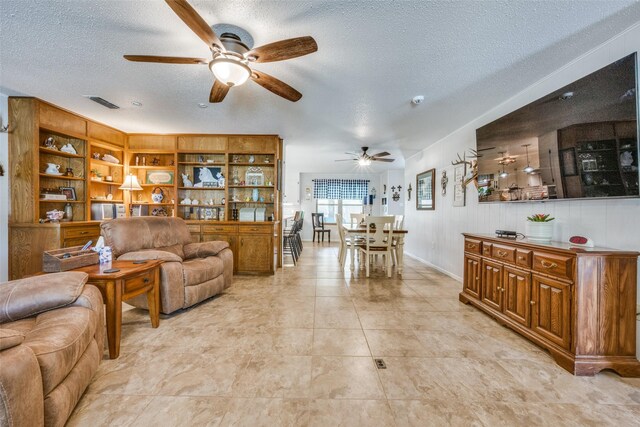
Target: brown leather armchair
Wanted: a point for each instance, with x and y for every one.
(51, 342)
(191, 272)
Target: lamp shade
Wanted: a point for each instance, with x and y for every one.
(130, 183)
(229, 71)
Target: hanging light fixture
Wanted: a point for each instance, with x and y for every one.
(502, 161)
(527, 169)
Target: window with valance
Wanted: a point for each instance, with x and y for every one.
(340, 189)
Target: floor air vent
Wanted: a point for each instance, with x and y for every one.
(380, 364)
(103, 102)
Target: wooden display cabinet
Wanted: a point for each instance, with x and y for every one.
(33, 122)
(256, 245)
(578, 303)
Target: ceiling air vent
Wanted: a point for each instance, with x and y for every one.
(103, 102)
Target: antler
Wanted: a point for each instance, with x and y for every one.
(461, 161)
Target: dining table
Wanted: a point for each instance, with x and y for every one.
(398, 234)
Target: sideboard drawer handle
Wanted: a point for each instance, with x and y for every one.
(502, 254)
(254, 229)
(146, 280)
(471, 245)
(532, 302)
(84, 232)
(547, 264)
(521, 258)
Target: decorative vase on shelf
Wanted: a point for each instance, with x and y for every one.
(255, 195)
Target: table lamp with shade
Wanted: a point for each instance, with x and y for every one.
(130, 184)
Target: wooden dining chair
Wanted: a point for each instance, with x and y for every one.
(398, 224)
(376, 241)
(318, 227)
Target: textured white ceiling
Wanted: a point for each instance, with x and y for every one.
(373, 57)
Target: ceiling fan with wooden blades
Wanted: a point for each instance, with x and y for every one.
(365, 159)
(230, 57)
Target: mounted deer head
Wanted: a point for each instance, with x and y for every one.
(472, 174)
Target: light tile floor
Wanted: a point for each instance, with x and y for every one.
(297, 349)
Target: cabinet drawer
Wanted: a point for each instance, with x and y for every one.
(79, 241)
(523, 258)
(219, 228)
(552, 264)
(255, 229)
(503, 253)
(75, 232)
(472, 245)
(139, 283)
(193, 228)
(486, 248)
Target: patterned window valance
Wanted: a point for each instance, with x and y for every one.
(344, 189)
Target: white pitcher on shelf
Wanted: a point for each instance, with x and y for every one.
(52, 169)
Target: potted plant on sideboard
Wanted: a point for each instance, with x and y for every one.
(539, 227)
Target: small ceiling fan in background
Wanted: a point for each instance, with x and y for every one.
(231, 57)
(365, 159)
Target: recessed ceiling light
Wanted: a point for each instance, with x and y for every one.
(136, 103)
(202, 105)
(417, 100)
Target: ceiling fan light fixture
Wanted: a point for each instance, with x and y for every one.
(364, 162)
(230, 71)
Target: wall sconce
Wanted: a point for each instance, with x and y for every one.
(396, 194)
(307, 193)
(409, 190)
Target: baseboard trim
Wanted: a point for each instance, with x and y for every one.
(435, 267)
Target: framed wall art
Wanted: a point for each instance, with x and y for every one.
(206, 176)
(159, 177)
(458, 186)
(425, 190)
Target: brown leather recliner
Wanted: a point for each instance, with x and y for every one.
(51, 342)
(191, 272)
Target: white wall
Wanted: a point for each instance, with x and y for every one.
(309, 206)
(393, 178)
(436, 236)
(4, 192)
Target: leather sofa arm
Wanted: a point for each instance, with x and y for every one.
(21, 395)
(204, 249)
(10, 338)
(146, 254)
(32, 295)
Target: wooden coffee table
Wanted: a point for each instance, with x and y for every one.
(133, 279)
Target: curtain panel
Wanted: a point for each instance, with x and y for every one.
(342, 189)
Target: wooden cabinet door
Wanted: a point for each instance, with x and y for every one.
(551, 312)
(472, 276)
(255, 253)
(517, 295)
(491, 292)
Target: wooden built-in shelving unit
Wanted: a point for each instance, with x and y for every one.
(144, 155)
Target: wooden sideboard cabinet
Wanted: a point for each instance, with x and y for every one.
(253, 243)
(578, 303)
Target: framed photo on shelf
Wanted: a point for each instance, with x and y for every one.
(205, 176)
(159, 177)
(136, 210)
(70, 192)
